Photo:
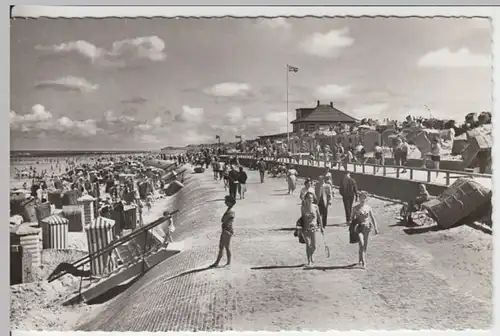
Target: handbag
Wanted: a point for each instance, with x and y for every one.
(297, 232)
(353, 235)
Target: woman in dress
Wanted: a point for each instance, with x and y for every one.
(363, 220)
(291, 175)
(309, 225)
(227, 232)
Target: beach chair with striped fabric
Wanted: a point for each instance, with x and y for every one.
(99, 235)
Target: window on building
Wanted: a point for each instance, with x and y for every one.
(311, 127)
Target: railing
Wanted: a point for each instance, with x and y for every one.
(65, 268)
(373, 169)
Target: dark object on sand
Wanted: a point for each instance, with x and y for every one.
(199, 170)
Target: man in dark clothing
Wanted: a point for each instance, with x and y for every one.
(242, 185)
(349, 191)
(233, 177)
(324, 194)
(261, 166)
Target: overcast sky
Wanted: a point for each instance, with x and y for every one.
(149, 83)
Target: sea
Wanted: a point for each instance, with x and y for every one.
(56, 161)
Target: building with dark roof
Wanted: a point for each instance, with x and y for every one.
(321, 116)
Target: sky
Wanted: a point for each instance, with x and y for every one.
(119, 84)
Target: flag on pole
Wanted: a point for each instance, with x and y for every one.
(292, 68)
(217, 137)
(238, 137)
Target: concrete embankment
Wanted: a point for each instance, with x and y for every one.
(197, 231)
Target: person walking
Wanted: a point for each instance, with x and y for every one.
(379, 155)
(307, 189)
(348, 189)
(308, 226)
(242, 185)
(233, 176)
(362, 223)
(227, 232)
(291, 176)
(324, 195)
(215, 168)
(261, 166)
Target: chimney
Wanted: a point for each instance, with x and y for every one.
(318, 104)
(331, 104)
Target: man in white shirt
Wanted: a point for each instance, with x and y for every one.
(324, 195)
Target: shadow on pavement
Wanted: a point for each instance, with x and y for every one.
(279, 194)
(217, 200)
(280, 190)
(327, 268)
(193, 271)
(283, 229)
(276, 267)
(419, 230)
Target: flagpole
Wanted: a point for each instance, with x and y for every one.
(287, 133)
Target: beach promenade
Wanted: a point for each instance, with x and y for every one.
(416, 279)
(444, 177)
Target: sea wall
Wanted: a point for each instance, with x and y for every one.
(384, 186)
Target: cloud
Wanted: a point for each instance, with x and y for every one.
(111, 118)
(68, 83)
(332, 91)
(235, 115)
(40, 120)
(445, 58)
(229, 89)
(327, 44)
(155, 124)
(135, 100)
(276, 23)
(370, 111)
(190, 115)
(120, 53)
(253, 121)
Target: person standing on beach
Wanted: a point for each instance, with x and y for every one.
(242, 185)
(349, 191)
(379, 155)
(215, 168)
(310, 224)
(362, 222)
(261, 166)
(292, 179)
(307, 189)
(227, 232)
(436, 154)
(324, 195)
(233, 176)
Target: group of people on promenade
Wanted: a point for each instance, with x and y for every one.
(315, 201)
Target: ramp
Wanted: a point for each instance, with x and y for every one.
(124, 273)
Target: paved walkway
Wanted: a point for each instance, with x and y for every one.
(433, 280)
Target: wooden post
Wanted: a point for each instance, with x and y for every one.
(411, 174)
(447, 178)
(428, 176)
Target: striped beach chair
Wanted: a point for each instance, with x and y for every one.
(99, 235)
(55, 232)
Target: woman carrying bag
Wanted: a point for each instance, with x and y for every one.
(310, 224)
(362, 221)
